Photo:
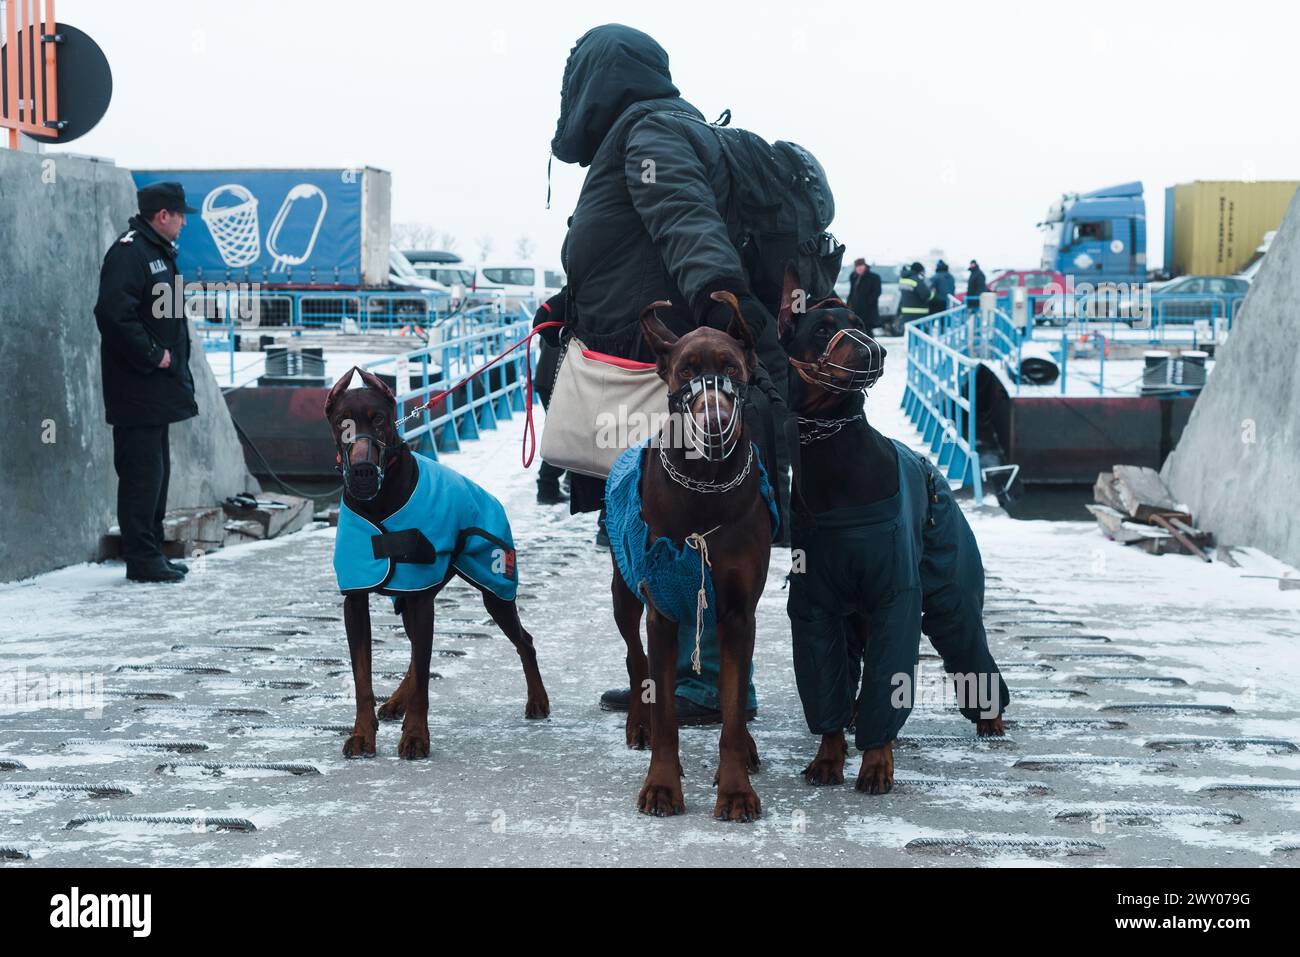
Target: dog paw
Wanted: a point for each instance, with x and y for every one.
(638, 732)
(990, 727)
(741, 805)
(537, 707)
(661, 799)
(824, 771)
(392, 710)
(359, 745)
(414, 744)
(827, 766)
(877, 773)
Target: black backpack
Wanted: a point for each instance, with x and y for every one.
(779, 209)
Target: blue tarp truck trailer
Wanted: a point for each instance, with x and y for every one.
(294, 228)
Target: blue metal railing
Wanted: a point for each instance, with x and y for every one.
(481, 402)
(1148, 316)
(940, 393)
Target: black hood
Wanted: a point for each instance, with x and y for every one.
(609, 68)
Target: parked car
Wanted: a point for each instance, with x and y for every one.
(1189, 298)
(1041, 284)
(520, 281)
(403, 275)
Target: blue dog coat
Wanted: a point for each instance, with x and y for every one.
(908, 564)
(448, 525)
(670, 572)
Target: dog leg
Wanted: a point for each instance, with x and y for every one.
(395, 707)
(877, 773)
(627, 616)
(356, 621)
(417, 617)
(506, 615)
(828, 766)
(990, 727)
(661, 795)
(737, 800)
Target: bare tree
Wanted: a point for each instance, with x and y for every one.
(447, 242)
(414, 236)
(484, 246)
(524, 248)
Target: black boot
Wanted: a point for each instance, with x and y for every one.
(158, 571)
(688, 712)
(548, 485)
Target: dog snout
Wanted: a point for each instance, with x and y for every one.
(362, 451)
(854, 354)
(713, 411)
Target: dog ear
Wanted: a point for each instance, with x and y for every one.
(373, 381)
(830, 302)
(790, 293)
(658, 336)
(337, 391)
(738, 328)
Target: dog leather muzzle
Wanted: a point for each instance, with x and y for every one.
(363, 480)
(709, 443)
(851, 362)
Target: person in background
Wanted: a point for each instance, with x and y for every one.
(864, 294)
(145, 358)
(944, 285)
(975, 285)
(914, 294)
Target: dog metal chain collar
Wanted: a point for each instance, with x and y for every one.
(697, 485)
(818, 429)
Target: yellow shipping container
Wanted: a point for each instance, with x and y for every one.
(1212, 228)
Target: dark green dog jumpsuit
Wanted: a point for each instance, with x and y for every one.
(907, 564)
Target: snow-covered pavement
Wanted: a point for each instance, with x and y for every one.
(1100, 645)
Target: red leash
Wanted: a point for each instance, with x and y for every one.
(530, 433)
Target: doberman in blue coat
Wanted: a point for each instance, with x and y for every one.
(881, 554)
(701, 488)
(407, 524)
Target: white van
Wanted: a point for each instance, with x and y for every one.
(522, 280)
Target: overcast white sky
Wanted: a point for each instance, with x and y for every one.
(941, 125)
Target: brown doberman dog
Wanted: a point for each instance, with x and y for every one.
(381, 476)
(887, 555)
(704, 494)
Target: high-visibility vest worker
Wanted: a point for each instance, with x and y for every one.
(914, 293)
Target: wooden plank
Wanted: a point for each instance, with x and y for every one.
(1103, 492)
(1112, 524)
(277, 514)
(1143, 494)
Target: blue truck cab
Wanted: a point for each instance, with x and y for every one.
(1099, 236)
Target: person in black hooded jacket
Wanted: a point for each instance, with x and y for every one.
(649, 225)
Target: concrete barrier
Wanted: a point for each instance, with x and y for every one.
(57, 486)
(1237, 464)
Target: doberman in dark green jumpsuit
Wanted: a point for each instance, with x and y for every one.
(881, 554)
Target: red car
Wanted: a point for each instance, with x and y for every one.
(1040, 283)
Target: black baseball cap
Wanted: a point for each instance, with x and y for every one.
(167, 195)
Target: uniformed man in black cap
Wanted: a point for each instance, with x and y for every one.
(145, 353)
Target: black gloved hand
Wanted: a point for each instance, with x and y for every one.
(552, 310)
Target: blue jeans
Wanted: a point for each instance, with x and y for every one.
(703, 688)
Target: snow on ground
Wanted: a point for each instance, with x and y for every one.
(501, 790)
